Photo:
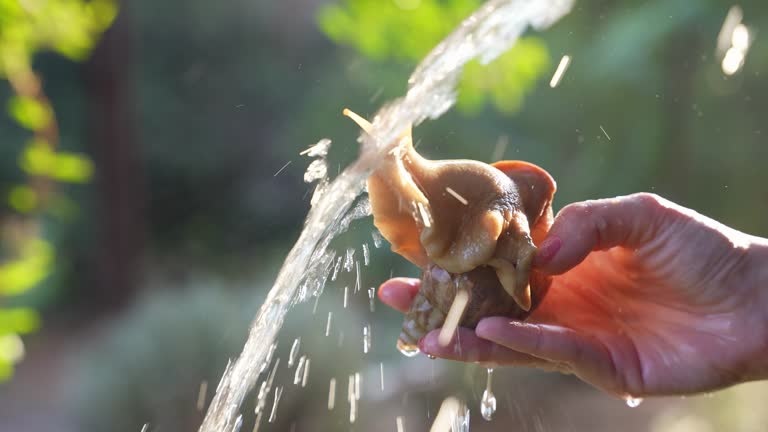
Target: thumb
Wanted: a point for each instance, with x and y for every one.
(580, 228)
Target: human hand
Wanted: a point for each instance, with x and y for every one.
(648, 298)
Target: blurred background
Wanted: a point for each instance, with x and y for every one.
(151, 185)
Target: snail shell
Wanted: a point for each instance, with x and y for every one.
(469, 226)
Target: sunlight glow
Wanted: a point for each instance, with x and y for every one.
(733, 61)
(724, 38)
(733, 42)
(740, 38)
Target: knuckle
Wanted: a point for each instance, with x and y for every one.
(576, 210)
(655, 209)
(649, 200)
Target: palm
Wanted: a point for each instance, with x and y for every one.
(649, 314)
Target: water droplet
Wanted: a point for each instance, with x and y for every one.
(357, 276)
(352, 398)
(488, 402)
(377, 239)
(633, 402)
(381, 375)
(488, 405)
(431, 357)
(372, 298)
(358, 380)
(299, 371)
(346, 296)
(328, 324)
(273, 414)
(407, 350)
(306, 373)
(366, 254)
(294, 352)
(201, 394)
(399, 423)
(336, 268)
(318, 150)
(332, 394)
(349, 259)
(260, 398)
(366, 338)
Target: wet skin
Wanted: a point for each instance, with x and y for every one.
(648, 298)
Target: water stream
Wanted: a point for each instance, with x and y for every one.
(487, 33)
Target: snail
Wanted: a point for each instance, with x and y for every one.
(471, 227)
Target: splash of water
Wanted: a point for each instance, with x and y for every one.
(487, 33)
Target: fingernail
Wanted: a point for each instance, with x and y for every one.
(547, 251)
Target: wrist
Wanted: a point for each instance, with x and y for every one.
(757, 280)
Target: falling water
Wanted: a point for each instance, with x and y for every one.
(488, 402)
(294, 352)
(486, 34)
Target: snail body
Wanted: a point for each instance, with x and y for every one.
(471, 227)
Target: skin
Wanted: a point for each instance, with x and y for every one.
(648, 298)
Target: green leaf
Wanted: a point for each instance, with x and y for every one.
(40, 160)
(6, 369)
(506, 80)
(22, 199)
(29, 113)
(396, 29)
(72, 168)
(102, 13)
(18, 320)
(37, 158)
(34, 265)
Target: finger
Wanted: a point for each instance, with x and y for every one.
(587, 357)
(581, 228)
(467, 347)
(398, 293)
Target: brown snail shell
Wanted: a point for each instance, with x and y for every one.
(470, 226)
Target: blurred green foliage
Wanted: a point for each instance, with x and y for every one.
(389, 29)
(70, 28)
(38, 159)
(29, 112)
(406, 30)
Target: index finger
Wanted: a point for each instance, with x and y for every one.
(398, 293)
(581, 228)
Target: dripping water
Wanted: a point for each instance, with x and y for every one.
(488, 402)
